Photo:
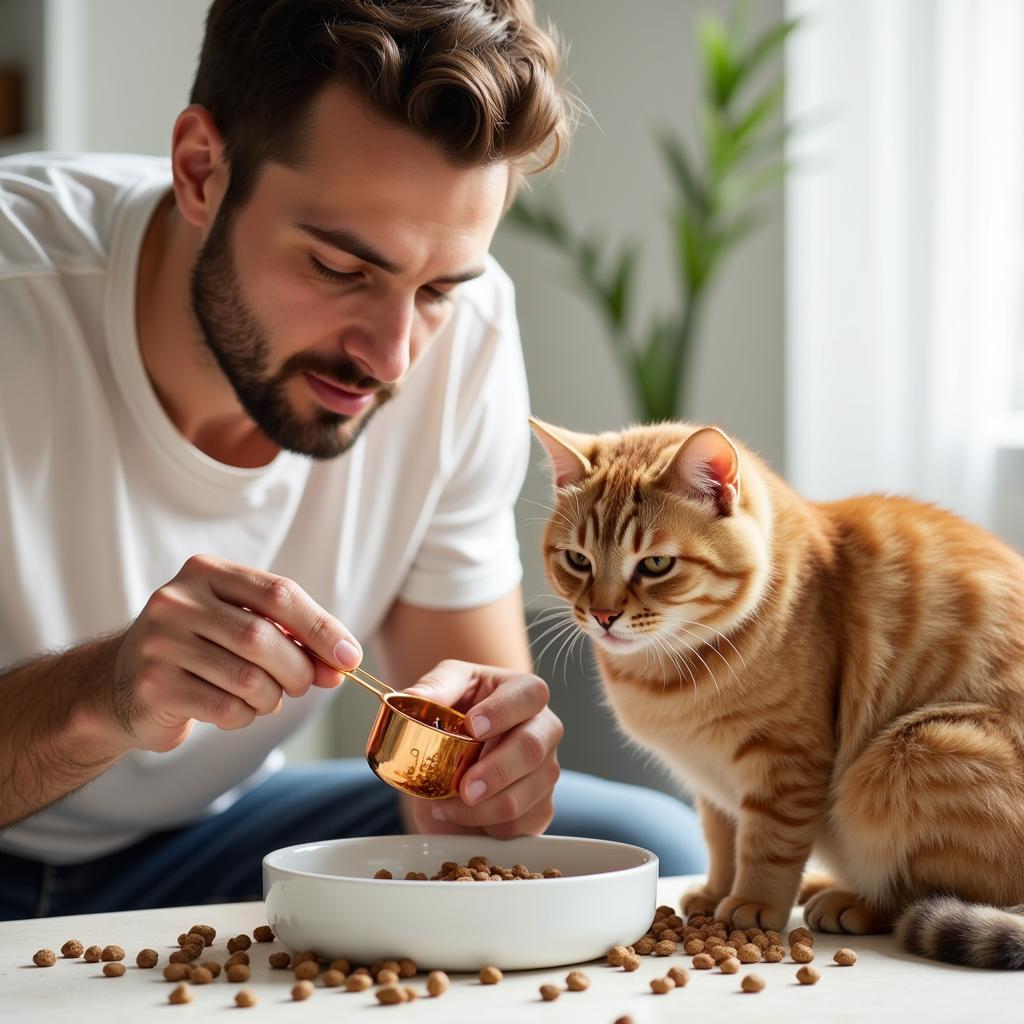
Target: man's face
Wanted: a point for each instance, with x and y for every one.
(319, 294)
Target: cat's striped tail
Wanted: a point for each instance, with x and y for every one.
(947, 928)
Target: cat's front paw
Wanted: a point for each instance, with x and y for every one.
(839, 911)
(700, 901)
(744, 913)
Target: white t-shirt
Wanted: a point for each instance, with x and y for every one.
(102, 499)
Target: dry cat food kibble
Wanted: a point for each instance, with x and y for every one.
(801, 935)
(577, 981)
(44, 958)
(245, 997)
(801, 953)
(239, 942)
(845, 957)
(616, 955)
(659, 986)
(302, 990)
(175, 972)
(237, 958)
(679, 975)
(147, 958)
(490, 975)
(306, 954)
(703, 962)
(112, 954)
(407, 968)
(182, 994)
(237, 972)
(549, 993)
(72, 948)
(264, 933)
(666, 947)
(752, 983)
(631, 962)
(307, 970)
(92, 954)
(279, 960)
(114, 969)
(332, 979)
(212, 966)
(341, 964)
(437, 983)
(358, 983)
(748, 953)
(775, 954)
(391, 995)
(200, 975)
(730, 966)
(808, 975)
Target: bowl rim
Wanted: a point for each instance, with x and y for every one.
(645, 865)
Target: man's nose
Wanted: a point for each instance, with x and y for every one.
(605, 616)
(385, 351)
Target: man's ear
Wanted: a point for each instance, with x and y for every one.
(198, 166)
(569, 464)
(706, 465)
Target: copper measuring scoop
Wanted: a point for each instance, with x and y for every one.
(415, 745)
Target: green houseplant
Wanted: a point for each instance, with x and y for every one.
(717, 188)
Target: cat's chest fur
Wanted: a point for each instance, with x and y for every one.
(659, 725)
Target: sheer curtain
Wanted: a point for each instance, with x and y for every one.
(905, 220)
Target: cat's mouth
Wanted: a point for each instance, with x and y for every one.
(609, 639)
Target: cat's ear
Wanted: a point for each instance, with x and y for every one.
(565, 449)
(706, 465)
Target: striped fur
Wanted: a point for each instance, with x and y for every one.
(842, 678)
(945, 928)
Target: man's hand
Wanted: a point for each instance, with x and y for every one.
(508, 791)
(203, 650)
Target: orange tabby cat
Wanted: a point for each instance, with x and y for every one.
(843, 678)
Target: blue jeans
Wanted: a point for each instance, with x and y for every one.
(219, 859)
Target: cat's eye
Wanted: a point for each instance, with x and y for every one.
(577, 559)
(656, 565)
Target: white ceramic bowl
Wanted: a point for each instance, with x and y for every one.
(323, 896)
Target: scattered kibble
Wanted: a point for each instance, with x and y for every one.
(748, 953)
(113, 969)
(245, 997)
(341, 964)
(752, 983)
(407, 968)
(490, 975)
(703, 962)
(237, 958)
(802, 953)
(808, 975)
(44, 958)
(680, 975)
(239, 942)
(302, 990)
(387, 977)
(181, 994)
(616, 955)
(549, 993)
(72, 949)
(577, 981)
(390, 995)
(332, 979)
(307, 970)
(383, 873)
(264, 933)
(175, 972)
(665, 947)
(92, 954)
(631, 962)
(729, 966)
(775, 954)
(624, 1020)
(212, 966)
(147, 958)
(659, 986)
(306, 954)
(845, 957)
(237, 972)
(357, 983)
(279, 960)
(644, 946)
(437, 983)
(200, 975)
(802, 935)
(111, 954)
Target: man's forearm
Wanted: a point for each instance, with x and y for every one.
(53, 736)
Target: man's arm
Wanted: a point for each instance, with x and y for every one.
(51, 740)
(519, 765)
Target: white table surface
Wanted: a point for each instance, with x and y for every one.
(886, 984)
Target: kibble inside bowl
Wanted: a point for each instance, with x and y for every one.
(323, 896)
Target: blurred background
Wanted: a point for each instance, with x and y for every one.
(801, 221)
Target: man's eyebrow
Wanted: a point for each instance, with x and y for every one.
(347, 242)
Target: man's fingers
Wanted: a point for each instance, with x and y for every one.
(179, 695)
(448, 683)
(283, 601)
(510, 804)
(533, 823)
(244, 679)
(518, 699)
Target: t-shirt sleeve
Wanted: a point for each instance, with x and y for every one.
(469, 555)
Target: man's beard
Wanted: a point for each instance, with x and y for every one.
(239, 343)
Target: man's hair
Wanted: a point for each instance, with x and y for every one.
(476, 77)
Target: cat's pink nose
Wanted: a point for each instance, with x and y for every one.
(605, 616)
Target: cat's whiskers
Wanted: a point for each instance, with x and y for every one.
(692, 650)
(677, 660)
(712, 647)
(551, 627)
(718, 633)
(560, 630)
(554, 511)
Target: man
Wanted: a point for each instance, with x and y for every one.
(271, 396)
